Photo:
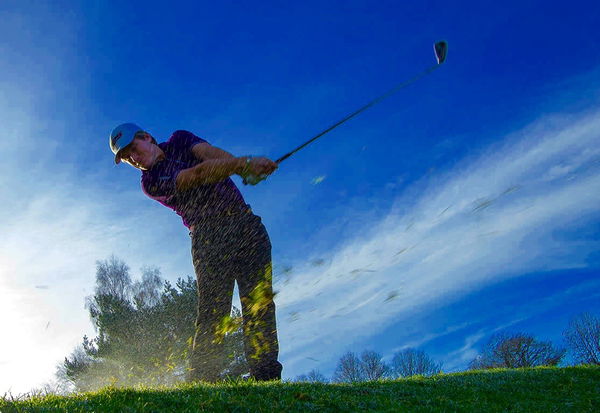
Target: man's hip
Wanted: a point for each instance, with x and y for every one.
(226, 216)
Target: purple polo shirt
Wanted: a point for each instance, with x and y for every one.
(195, 204)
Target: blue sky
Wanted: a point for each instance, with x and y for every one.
(466, 204)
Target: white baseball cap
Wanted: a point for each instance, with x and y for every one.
(121, 136)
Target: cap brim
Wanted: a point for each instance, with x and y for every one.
(119, 152)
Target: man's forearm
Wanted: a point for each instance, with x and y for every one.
(215, 170)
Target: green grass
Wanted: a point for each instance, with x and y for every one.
(543, 389)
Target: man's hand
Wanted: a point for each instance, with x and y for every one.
(257, 169)
(261, 166)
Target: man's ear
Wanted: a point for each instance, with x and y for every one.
(149, 137)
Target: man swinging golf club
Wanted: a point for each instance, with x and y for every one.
(229, 242)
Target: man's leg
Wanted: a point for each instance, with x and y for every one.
(258, 308)
(215, 284)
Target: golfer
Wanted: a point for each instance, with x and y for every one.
(229, 242)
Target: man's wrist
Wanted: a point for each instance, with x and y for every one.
(244, 165)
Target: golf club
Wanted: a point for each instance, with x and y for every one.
(441, 50)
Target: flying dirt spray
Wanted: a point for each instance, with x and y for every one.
(441, 50)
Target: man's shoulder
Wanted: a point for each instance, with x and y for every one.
(182, 135)
(181, 132)
(180, 141)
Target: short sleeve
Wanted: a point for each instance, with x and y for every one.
(184, 140)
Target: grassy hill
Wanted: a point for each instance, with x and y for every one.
(543, 389)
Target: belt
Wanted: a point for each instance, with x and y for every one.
(226, 213)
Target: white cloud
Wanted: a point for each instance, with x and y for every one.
(468, 351)
(472, 346)
(54, 242)
(504, 213)
(57, 218)
(426, 338)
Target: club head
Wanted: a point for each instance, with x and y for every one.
(441, 50)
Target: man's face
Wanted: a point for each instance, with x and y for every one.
(141, 153)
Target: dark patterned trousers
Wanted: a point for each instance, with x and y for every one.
(224, 250)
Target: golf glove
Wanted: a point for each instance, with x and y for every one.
(253, 179)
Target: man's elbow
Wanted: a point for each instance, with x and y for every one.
(188, 179)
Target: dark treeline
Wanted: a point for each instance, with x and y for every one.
(502, 350)
(144, 332)
(369, 365)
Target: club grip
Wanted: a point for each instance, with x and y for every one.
(253, 179)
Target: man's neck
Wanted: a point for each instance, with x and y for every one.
(160, 154)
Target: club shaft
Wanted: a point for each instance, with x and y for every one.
(356, 112)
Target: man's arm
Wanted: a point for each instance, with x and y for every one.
(209, 172)
(218, 165)
(205, 151)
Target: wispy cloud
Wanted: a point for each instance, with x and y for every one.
(468, 351)
(502, 213)
(53, 242)
(472, 344)
(59, 214)
(425, 338)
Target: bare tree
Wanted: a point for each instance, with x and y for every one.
(348, 369)
(372, 366)
(112, 278)
(410, 362)
(583, 338)
(517, 350)
(313, 376)
(146, 293)
(351, 368)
